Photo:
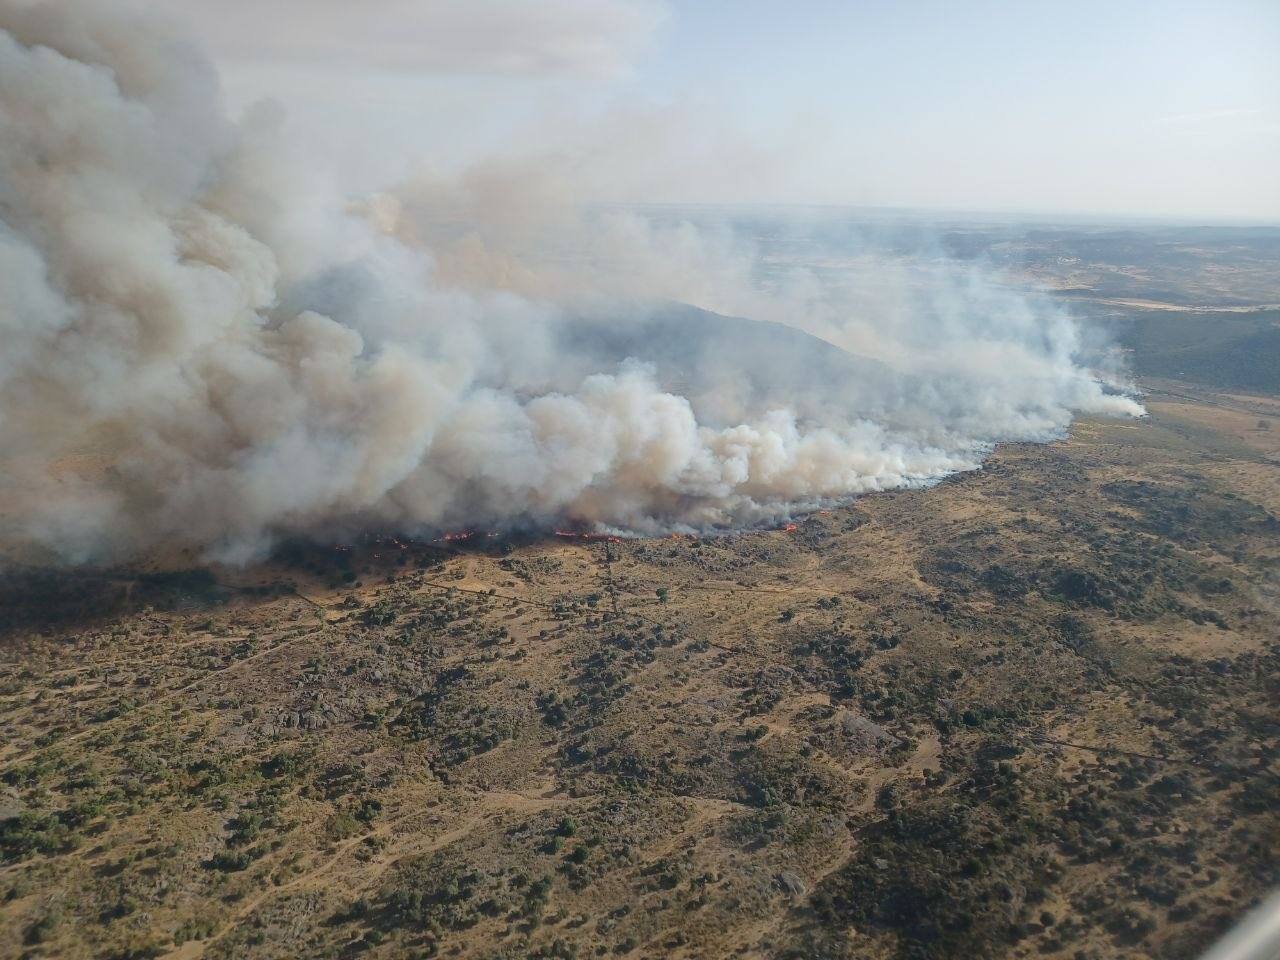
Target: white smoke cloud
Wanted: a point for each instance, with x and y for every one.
(206, 344)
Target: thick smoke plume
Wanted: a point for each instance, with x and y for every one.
(206, 345)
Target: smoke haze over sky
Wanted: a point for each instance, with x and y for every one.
(210, 342)
(1145, 108)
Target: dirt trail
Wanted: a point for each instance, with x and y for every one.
(492, 804)
(167, 697)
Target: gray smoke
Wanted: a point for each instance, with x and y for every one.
(205, 344)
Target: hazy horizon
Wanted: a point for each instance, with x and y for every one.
(1153, 110)
(942, 215)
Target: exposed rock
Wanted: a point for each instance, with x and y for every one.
(791, 884)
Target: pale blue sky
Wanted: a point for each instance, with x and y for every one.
(1138, 107)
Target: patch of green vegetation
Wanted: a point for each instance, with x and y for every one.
(1225, 350)
(31, 833)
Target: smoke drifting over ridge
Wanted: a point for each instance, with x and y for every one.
(207, 345)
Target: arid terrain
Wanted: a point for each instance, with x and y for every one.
(1027, 712)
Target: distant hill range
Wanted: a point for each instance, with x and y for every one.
(726, 365)
(1227, 350)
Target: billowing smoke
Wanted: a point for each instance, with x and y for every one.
(207, 345)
